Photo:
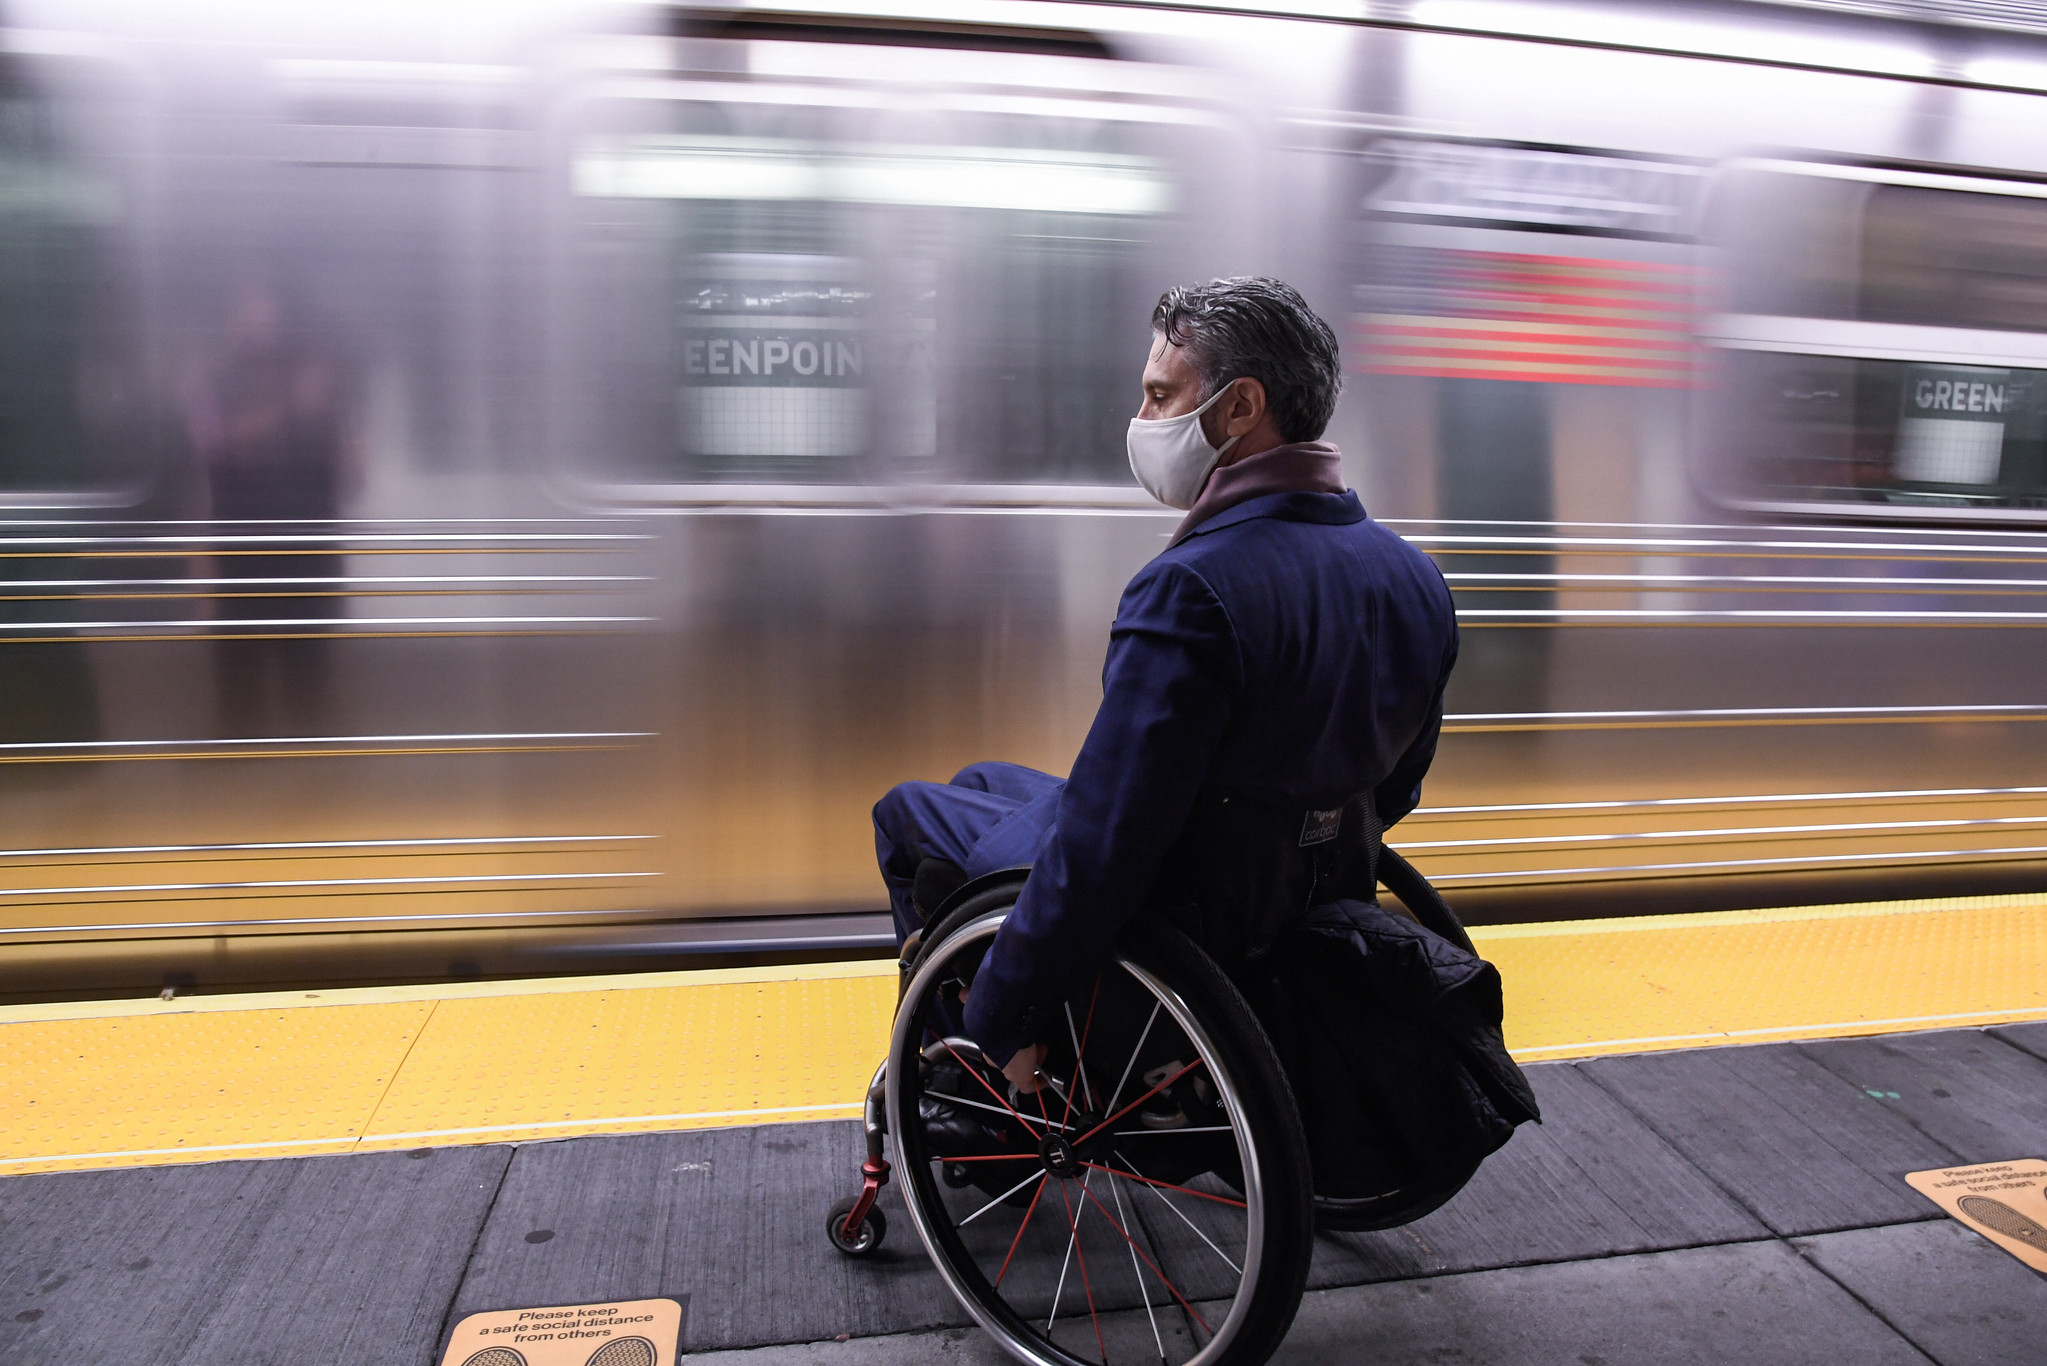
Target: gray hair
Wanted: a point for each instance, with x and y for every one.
(1253, 326)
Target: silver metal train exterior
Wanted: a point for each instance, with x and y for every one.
(492, 489)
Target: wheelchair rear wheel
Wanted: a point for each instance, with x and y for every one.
(1153, 1201)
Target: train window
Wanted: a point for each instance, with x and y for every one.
(783, 286)
(1892, 433)
(67, 393)
(1954, 260)
(1889, 351)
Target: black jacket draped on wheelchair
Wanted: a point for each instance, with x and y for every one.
(1388, 1023)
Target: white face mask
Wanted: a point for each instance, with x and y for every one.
(1171, 456)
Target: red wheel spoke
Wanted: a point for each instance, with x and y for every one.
(1080, 1047)
(1175, 1290)
(996, 1157)
(1080, 1255)
(1135, 1103)
(999, 1098)
(1184, 1190)
(1036, 1195)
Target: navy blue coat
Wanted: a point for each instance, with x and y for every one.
(1289, 649)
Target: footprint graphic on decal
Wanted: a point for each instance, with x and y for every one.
(2002, 1218)
(622, 1352)
(496, 1356)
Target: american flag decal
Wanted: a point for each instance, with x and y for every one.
(1505, 315)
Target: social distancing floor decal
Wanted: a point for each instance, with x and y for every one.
(2006, 1202)
(625, 1333)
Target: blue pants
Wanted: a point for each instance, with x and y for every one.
(989, 817)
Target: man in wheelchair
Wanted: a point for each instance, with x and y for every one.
(1271, 702)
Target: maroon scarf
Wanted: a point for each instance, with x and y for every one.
(1299, 467)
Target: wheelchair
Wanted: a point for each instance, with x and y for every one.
(1155, 1198)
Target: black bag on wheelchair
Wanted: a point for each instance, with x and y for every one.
(1388, 1025)
(1391, 1037)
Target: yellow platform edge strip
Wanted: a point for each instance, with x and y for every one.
(104, 1084)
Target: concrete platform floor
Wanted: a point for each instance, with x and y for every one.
(1904, 1294)
(1742, 1205)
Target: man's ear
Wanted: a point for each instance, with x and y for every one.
(1244, 408)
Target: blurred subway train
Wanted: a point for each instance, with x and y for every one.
(502, 488)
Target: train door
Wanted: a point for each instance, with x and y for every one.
(1528, 309)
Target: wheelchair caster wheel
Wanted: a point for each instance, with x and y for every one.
(865, 1239)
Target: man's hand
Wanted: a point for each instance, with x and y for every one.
(1022, 1068)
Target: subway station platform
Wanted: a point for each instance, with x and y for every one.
(424, 1154)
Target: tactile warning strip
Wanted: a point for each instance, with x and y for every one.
(673, 1057)
(108, 1084)
(102, 1084)
(1581, 988)
(246, 1083)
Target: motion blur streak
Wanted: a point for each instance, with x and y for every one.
(1632, 870)
(1724, 801)
(421, 424)
(1470, 723)
(1694, 835)
(320, 844)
